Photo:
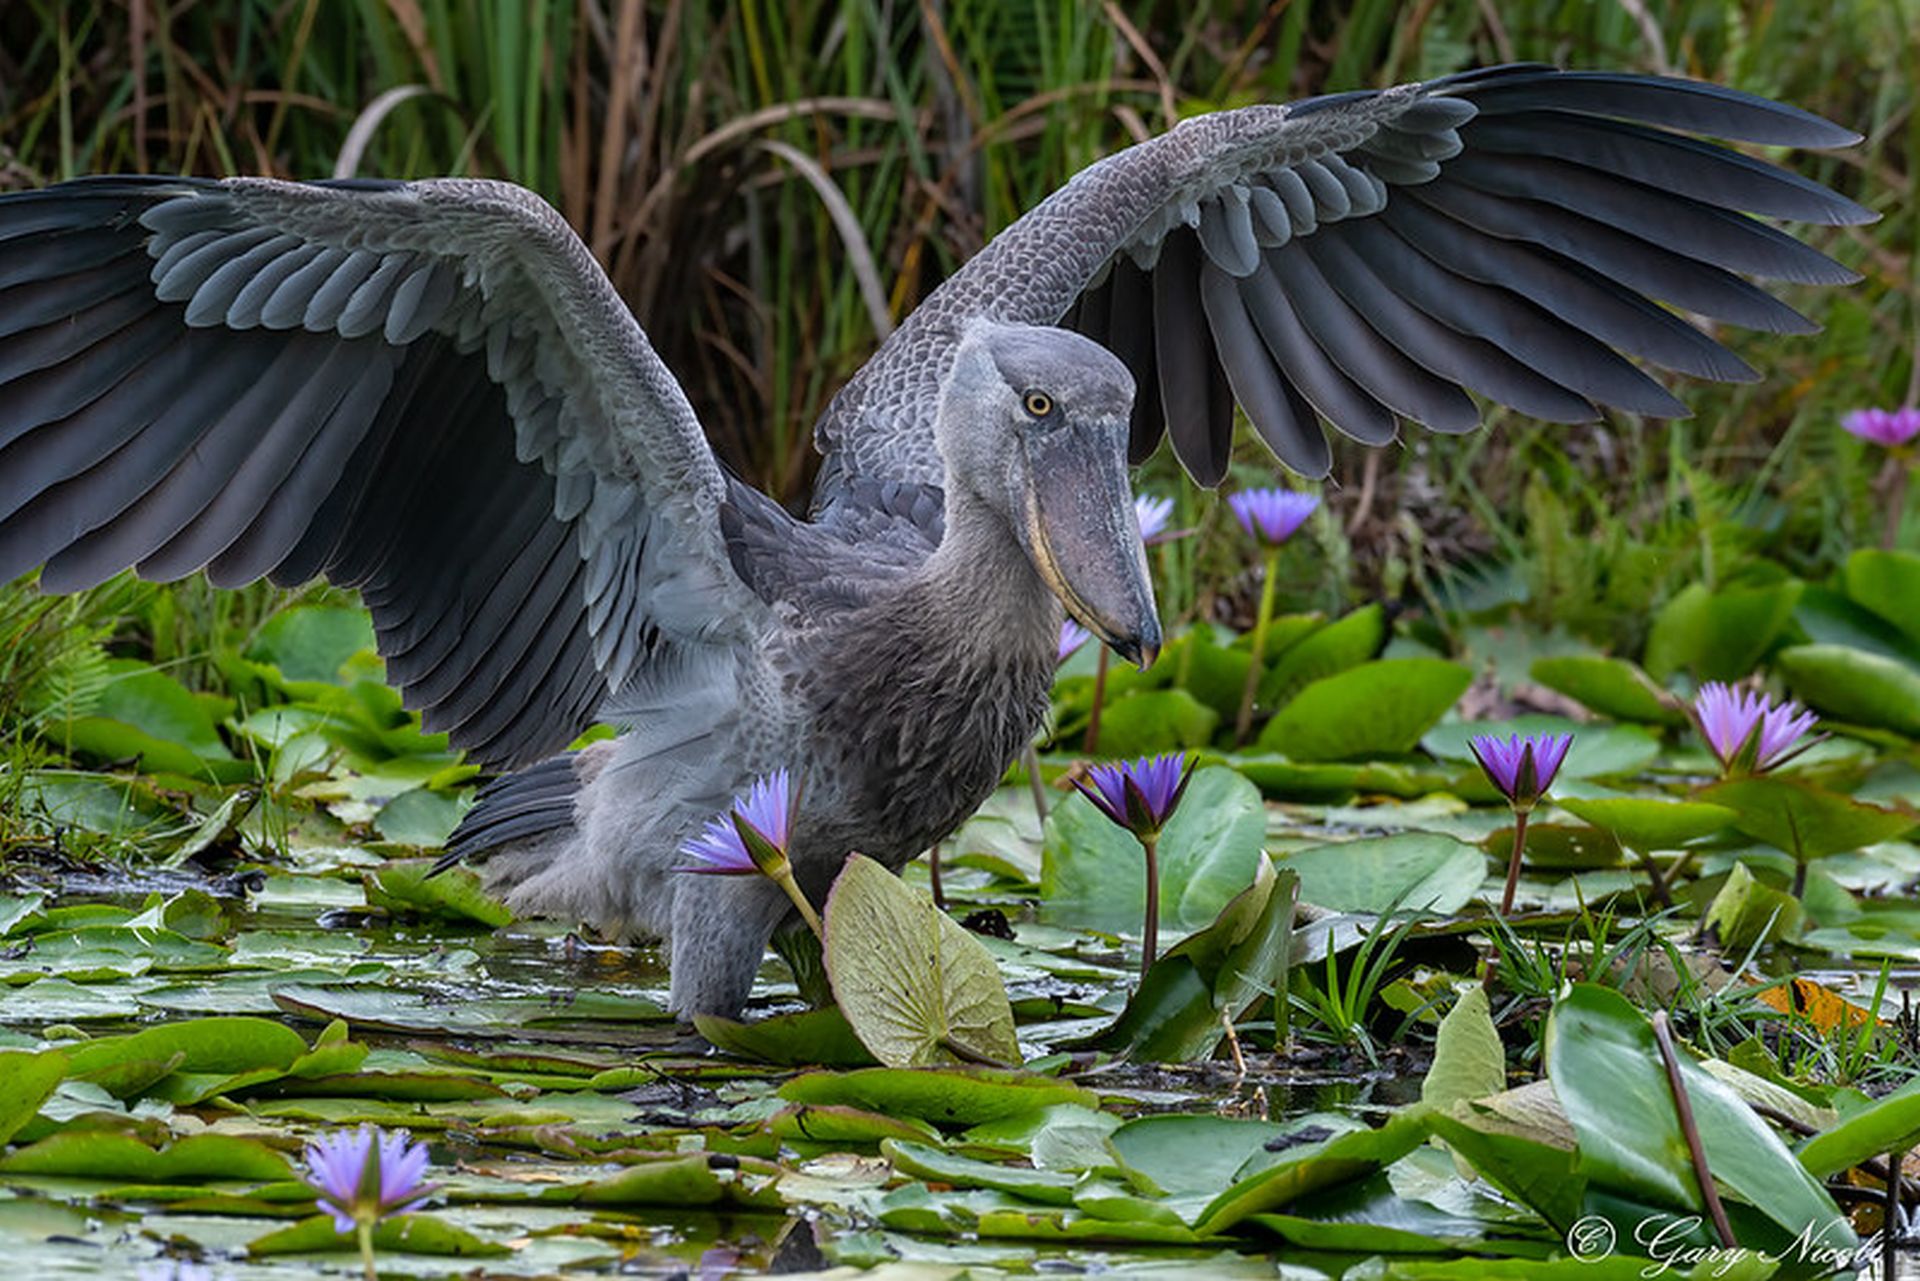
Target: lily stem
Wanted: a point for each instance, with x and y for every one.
(1683, 1108)
(1149, 943)
(1091, 743)
(364, 1230)
(1254, 670)
(784, 879)
(1513, 862)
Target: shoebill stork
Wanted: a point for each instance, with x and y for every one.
(428, 391)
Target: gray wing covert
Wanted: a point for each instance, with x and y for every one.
(427, 391)
(1368, 258)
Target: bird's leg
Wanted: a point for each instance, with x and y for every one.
(1030, 761)
(1091, 743)
(933, 877)
(1233, 1042)
(721, 926)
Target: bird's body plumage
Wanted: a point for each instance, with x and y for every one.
(429, 391)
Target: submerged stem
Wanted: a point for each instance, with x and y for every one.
(1150, 941)
(1513, 862)
(1244, 721)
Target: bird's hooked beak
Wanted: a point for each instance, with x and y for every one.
(1081, 532)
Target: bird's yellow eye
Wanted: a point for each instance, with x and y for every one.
(1039, 404)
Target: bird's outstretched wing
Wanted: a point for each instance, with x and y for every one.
(1369, 257)
(427, 391)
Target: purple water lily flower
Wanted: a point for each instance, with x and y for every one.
(1889, 428)
(1139, 795)
(1521, 767)
(365, 1175)
(1072, 637)
(1153, 515)
(743, 840)
(1272, 515)
(752, 837)
(1747, 732)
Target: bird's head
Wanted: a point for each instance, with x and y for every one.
(1034, 424)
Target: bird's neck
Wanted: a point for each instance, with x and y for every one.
(984, 585)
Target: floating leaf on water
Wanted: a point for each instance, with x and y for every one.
(1598, 751)
(1469, 1061)
(220, 1044)
(1645, 823)
(1376, 709)
(1889, 1124)
(1329, 651)
(915, 987)
(923, 1161)
(409, 1233)
(1887, 583)
(952, 1097)
(26, 1080)
(106, 1155)
(1718, 636)
(1746, 912)
(810, 1038)
(406, 888)
(1610, 686)
(1804, 820)
(1162, 720)
(1855, 686)
(1412, 872)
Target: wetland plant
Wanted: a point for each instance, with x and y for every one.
(1522, 767)
(1141, 795)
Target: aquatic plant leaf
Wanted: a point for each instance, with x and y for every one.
(836, 1125)
(1572, 847)
(1647, 823)
(1468, 1060)
(1277, 1179)
(1094, 874)
(1376, 709)
(1746, 912)
(1330, 650)
(219, 1044)
(1606, 1070)
(409, 1233)
(1410, 871)
(915, 987)
(1718, 636)
(1854, 686)
(26, 1079)
(108, 1155)
(950, 1097)
(406, 889)
(1161, 720)
(1888, 583)
(1887, 1124)
(1610, 686)
(1806, 821)
(923, 1161)
(810, 1038)
(313, 643)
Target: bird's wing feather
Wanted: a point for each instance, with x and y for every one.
(427, 391)
(1372, 257)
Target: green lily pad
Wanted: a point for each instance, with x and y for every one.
(409, 1233)
(108, 1155)
(1279, 1179)
(1644, 823)
(1607, 1073)
(1559, 846)
(817, 1038)
(1161, 720)
(222, 1044)
(1746, 912)
(1469, 1061)
(1855, 686)
(954, 1097)
(1610, 686)
(1327, 652)
(923, 1161)
(25, 1082)
(1888, 583)
(1718, 635)
(1889, 1124)
(407, 889)
(1418, 871)
(1805, 821)
(1376, 709)
(915, 987)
